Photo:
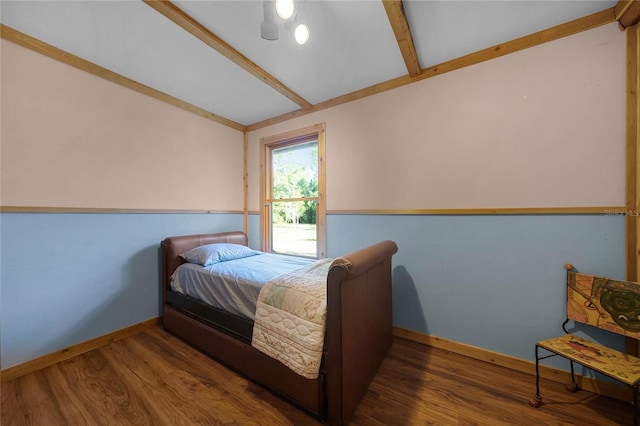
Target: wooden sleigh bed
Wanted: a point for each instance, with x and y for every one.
(358, 329)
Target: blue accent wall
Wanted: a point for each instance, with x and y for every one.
(492, 281)
(253, 233)
(67, 278)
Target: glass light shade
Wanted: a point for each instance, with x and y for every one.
(285, 8)
(301, 33)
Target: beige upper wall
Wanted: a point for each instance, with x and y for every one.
(71, 139)
(543, 127)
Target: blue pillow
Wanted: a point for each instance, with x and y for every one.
(219, 252)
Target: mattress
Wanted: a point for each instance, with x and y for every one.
(234, 285)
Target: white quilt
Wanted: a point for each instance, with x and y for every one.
(290, 318)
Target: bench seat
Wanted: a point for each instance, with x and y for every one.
(612, 363)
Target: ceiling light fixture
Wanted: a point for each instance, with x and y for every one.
(301, 33)
(268, 27)
(299, 30)
(287, 10)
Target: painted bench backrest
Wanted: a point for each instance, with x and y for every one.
(604, 303)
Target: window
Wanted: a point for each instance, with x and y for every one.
(292, 218)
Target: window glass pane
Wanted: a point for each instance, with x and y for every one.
(295, 171)
(293, 227)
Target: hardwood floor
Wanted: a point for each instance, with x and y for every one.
(153, 378)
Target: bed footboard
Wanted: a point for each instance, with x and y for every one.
(359, 326)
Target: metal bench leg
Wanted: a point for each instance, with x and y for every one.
(573, 387)
(635, 405)
(537, 400)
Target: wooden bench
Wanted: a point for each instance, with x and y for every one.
(604, 303)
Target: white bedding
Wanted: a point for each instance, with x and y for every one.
(234, 285)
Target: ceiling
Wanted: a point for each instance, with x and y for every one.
(352, 44)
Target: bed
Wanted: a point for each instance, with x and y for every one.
(358, 328)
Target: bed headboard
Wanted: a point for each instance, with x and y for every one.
(173, 247)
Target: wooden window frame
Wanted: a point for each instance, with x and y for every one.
(278, 141)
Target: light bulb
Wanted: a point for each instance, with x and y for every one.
(301, 34)
(285, 8)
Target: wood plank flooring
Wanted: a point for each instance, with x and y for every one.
(153, 378)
